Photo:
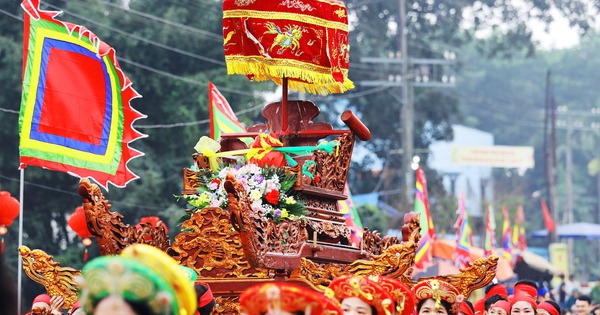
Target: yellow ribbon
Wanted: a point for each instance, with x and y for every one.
(209, 147)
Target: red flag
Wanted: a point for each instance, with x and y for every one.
(548, 221)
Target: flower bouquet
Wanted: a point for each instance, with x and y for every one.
(270, 190)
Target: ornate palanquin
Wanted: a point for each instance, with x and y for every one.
(303, 45)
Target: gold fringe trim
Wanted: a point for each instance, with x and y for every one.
(312, 81)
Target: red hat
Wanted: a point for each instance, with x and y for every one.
(523, 296)
(367, 290)
(479, 307)
(497, 289)
(268, 297)
(548, 307)
(42, 298)
(465, 309)
(400, 292)
(505, 305)
(438, 290)
(527, 288)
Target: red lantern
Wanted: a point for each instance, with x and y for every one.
(78, 224)
(9, 210)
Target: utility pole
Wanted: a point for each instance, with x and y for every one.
(569, 169)
(407, 81)
(550, 152)
(407, 112)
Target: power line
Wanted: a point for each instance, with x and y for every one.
(181, 78)
(12, 111)
(191, 123)
(140, 38)
(211, 35)
(76, 194)
(12, 15)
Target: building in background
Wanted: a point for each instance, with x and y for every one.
(473, 181)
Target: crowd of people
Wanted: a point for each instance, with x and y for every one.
(144, 280)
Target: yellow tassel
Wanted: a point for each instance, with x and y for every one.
(315, 79)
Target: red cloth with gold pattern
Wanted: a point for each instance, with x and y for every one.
(270, 298)
(367, 290)
(305, 41)
(438, 290)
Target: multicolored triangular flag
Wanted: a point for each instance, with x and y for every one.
(352, 218)
(464, 236)
(423, 255)
(222, 118)
(490, 239)
(75, 114)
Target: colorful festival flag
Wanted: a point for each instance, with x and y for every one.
(518, 232)
(506, 236)
(222, 118)
(464, 236)
(423, 255)
(548, 221)
(490, 239)
(75, 114)
(352, 218)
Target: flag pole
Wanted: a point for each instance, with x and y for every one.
(20, 268)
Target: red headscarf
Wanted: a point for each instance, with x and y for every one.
(479, 307)
(497, 289)
(42, 298)
(503, 305)
(549, 308)
(465, 309)
(522, 296)
(526, 288)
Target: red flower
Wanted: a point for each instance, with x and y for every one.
(216, 181)
(273, 196)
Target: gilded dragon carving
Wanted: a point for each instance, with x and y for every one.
(209, 245)
(476, 276)
(112, 234)
(58, 281)
(395, 261)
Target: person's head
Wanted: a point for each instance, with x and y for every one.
(595, 310)
(76, 309)
(285, 299)
(548, 307)
(141, 280)
(206, 301)
(466, 308)
(522, 304)
(527, 286)
(404, 299)
(479, 307)
(41, 302)
(575, 293)
(433, 307)
(491, 300)
(442, 295)
(583, 305)
(543, 294)
(500, 307)
(347, 290)
(496, 289)
(355, 306)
